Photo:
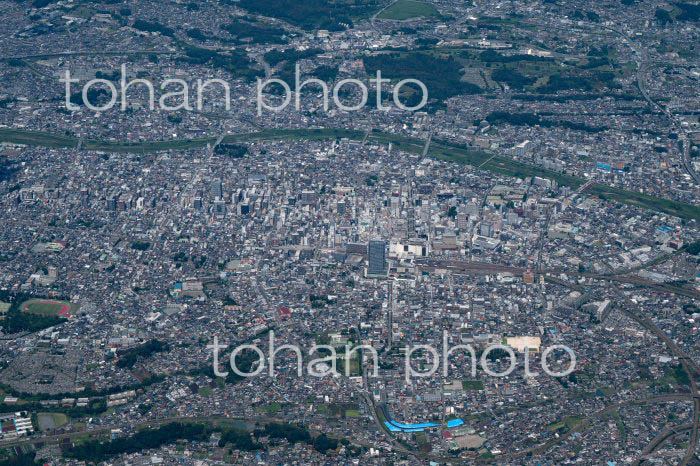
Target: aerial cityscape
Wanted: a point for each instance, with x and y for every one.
(350, 232)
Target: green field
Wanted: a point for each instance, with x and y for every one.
(407, 9)
(311, 14)
(270, 408)
(322, 408)
(354, 364)
(472, 385)
(42, 308)
(567, 423)
(353, 413)
(438, 149)
(49, 421)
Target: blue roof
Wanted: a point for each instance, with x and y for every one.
(391, 427)
(413, 426)
(455, 423)
(394, 426)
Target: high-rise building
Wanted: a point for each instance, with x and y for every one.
(462, 221)
(219, 207)
(217, 189)
(308, 197)
(377, 257)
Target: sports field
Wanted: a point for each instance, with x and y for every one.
(47, 307)
(407, 9)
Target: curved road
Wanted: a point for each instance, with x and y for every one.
(660, 439)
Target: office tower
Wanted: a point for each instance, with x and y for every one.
(219, 207)
(217, 189)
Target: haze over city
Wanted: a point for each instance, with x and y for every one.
(369, 232)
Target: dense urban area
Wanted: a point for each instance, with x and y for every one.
(539, 211)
